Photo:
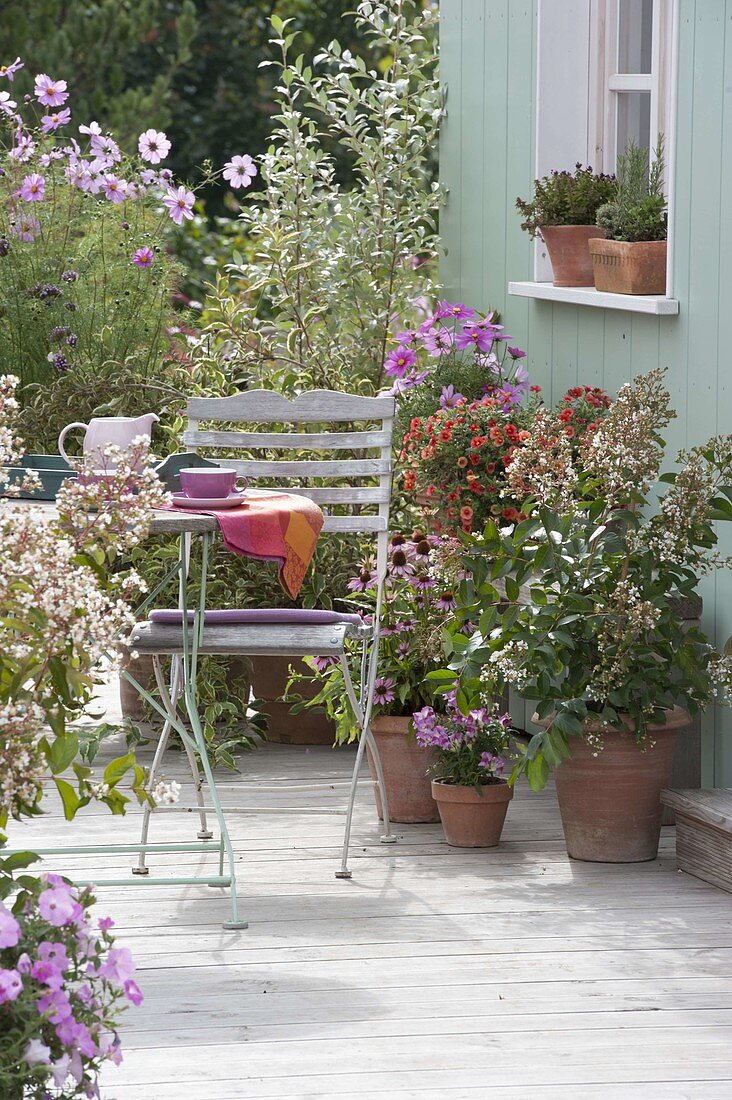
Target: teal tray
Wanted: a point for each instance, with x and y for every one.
(52, 471)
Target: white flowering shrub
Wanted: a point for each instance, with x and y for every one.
(602, 637)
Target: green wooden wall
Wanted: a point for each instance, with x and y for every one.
(487, 153)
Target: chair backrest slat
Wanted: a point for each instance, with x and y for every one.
(313, 406)
(289, 441)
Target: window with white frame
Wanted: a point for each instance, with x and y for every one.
(605, 75)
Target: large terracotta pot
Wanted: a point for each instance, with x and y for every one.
(611, 802)
(569, 253)
(470, 818)
(624, 267)
(269, 676)
(405, 765)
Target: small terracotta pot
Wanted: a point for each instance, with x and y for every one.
(611, 802)
(131, 702)
(569, 252)
(405, 765)
(624, 267)
(472, 819)
(269, 676)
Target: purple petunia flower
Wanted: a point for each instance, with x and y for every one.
(384, 691)
(456, 310)
(398, 362)
(133, 993)
(179, 202)
(51, 93)
(240, 171)
(143, 257)
(11, 985)
(57, 906)
(10, 70)
(9, 928)
(36, 1053)
(33, 188)
(448, 398)
(153, 146)
(49, 123)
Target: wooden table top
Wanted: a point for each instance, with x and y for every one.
(164, 522)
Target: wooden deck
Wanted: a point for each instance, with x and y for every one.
(432, 973)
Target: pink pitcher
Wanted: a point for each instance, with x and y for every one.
(103, 430)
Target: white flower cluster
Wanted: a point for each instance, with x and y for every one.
(21, 761)
(510, 662)
(543, 466)
(11, 447)
(623, 619)
(720, 673)
(166, 792)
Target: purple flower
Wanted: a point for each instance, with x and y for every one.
(240, 171)
(398, 362)
(153, 146)
(23, 146)
(11, 985)
(408, 382)
(47, 973)
(383, 691)
(445, 601)
(104, 149)
(105, 923)
(478, 334)
(438, 340)
(409, 336)
(33, 188)
(143, 257)
(56, 1004)
(57, 906)
(118, 966)
(36, 1053)
(516, 353)
(448, 398)
(179, 202)
(363, 581)
(26, 227)
(51, 93)
(10, 70)
(7, 105)
(115, 189)
(133, 993)
(322, 664)
(9, 928)
(456, 310)
(49, 123)
(55, 953)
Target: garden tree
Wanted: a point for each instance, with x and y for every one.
(118, 57)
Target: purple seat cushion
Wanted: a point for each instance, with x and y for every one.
(294, 615)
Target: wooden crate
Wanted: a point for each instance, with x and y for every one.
(703, 833)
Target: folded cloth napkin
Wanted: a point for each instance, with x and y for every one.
(269, 526)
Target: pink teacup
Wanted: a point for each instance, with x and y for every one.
(210, 481)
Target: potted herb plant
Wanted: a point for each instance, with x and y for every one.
(468, 784)
(562, 212)
(601, 648)
(629, 257)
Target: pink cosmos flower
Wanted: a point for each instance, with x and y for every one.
(57, 905)
(153, 146)
(10, 70)
(105, 149)
(240, 171)
(179, 202)
(478, 334)
(115, 189)
(11, 985)
(92, 130)
(9, 928)
(49, 123)
(26, 228)
(7, 105)
(33, 188)
(456, 310)
(51, 93)
(438, 340)
(143, 257)
(449, 399)
(23, 146)
(408, 382)
(398, 362)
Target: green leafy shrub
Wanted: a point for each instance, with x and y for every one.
(564, 198)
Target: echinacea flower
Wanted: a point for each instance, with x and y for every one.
(115, 189)
(240, 171)
(322, 664)
(398, 362)
(10, 70)
(179, 202)
(51, 93)
(363, 581)
(445, 601)
(33, 188)
(384, 691)
(448, 398)
(153, 146)
(143, 257)
(7, 105)
(400, 566)
(49, 123)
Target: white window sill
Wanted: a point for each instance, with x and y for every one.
(657, 304)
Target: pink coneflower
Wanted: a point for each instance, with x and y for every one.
(322, 664)
(422, 583)
(51, 93)
(143, 257)
(115, 189)
(49, 123)
(179, 202)
(7, 105)
(33, 188)
(240, 171)
(26, 228)
(153, 146)
(400, 566)
(383, 691)
(363, 581)
(445, 601)
(10, 70)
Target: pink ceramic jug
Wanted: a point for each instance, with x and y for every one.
(103, 430)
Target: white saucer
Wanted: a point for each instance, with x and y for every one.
(182, 500)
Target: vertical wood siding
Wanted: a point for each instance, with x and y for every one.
(488, 51)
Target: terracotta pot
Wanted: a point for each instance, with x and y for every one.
(472, 819)
(132, 704)
(569, 253)
(623, 267)
(405, 765)
(611, 803)
(269, 676)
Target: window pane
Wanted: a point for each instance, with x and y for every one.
(634, 119)
(635, 36)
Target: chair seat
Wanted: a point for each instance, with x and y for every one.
(248, 639)
(295, 615)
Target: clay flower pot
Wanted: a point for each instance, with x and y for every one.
(569, 252)
(405, 765)
(470, 818)
(623, 267)
(611, 802)
(269, 676)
